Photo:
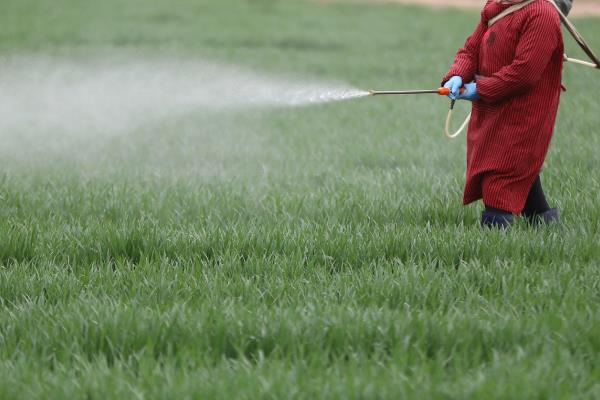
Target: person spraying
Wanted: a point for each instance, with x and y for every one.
(510, 68)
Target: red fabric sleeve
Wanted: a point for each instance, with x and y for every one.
(540, 37)
(466, 62)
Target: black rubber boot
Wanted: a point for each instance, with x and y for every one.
(492, 218)
(550, 217)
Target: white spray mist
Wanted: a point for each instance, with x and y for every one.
(58, 104)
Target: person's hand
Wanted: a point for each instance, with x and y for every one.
(454, 84)
(470, 92)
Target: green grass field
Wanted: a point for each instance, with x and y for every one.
(313, 252)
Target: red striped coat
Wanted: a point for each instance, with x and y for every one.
(517, 63)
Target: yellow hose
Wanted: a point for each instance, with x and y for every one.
(459, 131)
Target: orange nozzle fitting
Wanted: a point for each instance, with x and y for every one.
(446, 91)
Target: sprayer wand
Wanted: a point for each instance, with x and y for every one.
(442, 92)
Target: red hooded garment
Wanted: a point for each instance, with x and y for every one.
(517, 64)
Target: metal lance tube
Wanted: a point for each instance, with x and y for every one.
(440, 91)
(394, 92)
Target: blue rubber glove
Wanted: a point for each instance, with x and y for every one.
(470, 92)
(454, 84)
